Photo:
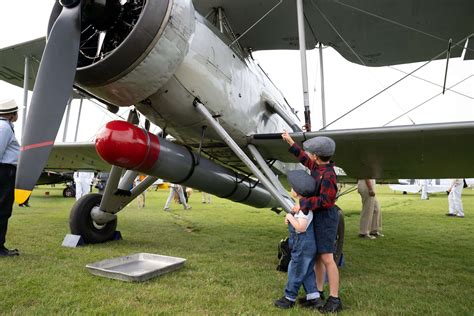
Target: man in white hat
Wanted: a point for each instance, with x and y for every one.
(9, 152)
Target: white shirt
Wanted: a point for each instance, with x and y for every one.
(308, 217)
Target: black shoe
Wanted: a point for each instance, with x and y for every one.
(9, 253)
(333, 305)
(303, 299)
(314, 303)
(450, 214)
(377, 234)
(284, 303)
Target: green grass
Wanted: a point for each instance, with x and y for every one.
(424, 265)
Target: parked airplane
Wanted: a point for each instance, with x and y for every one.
(433, 185)
(186, 65)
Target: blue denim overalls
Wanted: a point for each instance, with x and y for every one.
(300, 270)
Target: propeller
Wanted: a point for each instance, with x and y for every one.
(52, 90)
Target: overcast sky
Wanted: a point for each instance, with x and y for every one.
(347, 84)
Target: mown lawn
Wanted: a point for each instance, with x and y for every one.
(423, 265)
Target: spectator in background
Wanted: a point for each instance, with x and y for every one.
(101, 181)
(178, 190)
(454, 198)
(371, 216)
(424, 189)
(83, 180)
(205, 198)
(141, 197)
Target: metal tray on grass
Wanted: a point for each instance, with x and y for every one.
(136, 267)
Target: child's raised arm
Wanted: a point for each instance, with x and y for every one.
(287, 138)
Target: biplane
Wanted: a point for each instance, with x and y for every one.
(187, 67)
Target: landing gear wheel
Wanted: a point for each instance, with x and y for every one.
(81, 223)
(69, 192)
(340, 237)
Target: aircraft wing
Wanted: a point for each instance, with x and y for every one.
(76, 156)
(417, 151)
(51, 177)
(12, 61)
(410, 188)
(382, 32)
(438, 188)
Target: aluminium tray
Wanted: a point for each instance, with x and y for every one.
(136, 267)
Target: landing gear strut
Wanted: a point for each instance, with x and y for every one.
(81, 222)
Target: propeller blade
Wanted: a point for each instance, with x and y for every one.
(52, 90)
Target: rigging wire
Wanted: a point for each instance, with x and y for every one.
(258, 21)
(391, 85)
(361, 61)
(426, 101)
(398, 23)
(431, 82)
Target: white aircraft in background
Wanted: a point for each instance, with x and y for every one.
(433, 185)
(187, 67)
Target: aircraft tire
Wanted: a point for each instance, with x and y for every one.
(81, 223)
(340, 237)
(69, 192)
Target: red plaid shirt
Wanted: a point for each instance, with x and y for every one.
(323, 174)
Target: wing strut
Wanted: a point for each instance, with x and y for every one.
(268, 172)
(286, 204)
(304, 65)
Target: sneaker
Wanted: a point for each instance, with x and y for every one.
(377, 234)
(284, 303)
(450, 214)
(316, 303)
(366, 236)
(333, 305)
(166, 209)
(460, 216)
(188, 208)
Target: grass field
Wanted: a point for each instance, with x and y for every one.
(423, 265)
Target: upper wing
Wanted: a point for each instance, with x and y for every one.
(76, 156)
(418, 151)
(12, 61)
(381, 32)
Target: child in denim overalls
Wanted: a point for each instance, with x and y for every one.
(302, 244)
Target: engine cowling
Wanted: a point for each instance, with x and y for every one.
(129, 49)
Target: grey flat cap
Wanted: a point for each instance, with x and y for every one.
(301, 182)
(321, 146)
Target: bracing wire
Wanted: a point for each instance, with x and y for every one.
(362, 62)
(426, 101)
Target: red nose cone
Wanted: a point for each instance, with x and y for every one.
(123, 144)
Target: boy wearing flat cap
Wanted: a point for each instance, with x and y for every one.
(303, 247)
(9, 152)
(316, 157)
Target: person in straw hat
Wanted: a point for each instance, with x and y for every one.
(9, 152)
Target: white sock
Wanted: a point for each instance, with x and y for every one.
(312, 296)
